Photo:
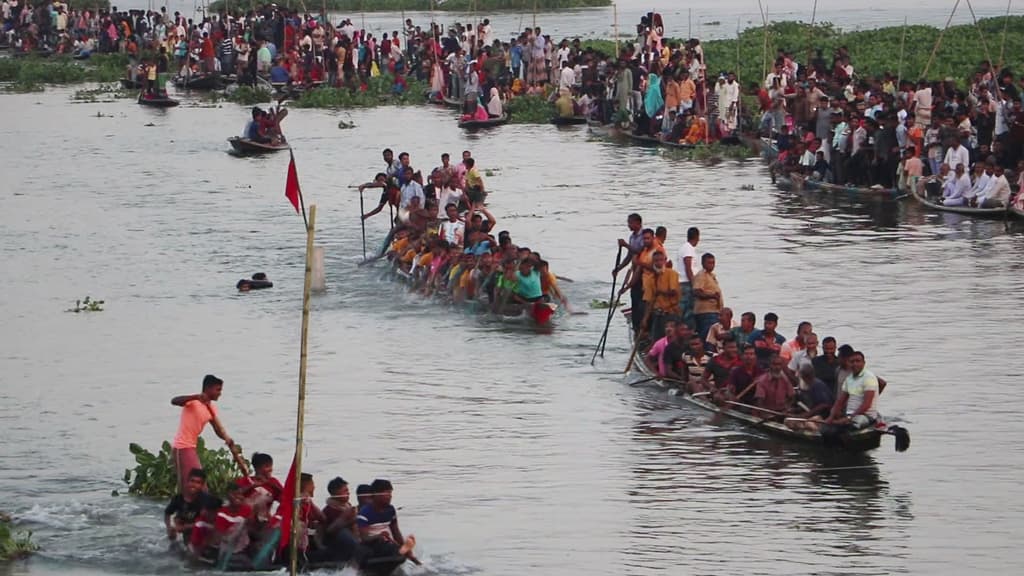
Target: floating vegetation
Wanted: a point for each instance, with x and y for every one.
(87, 305)
(14, 545)
(154, 475)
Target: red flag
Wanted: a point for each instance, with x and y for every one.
(284, 510)
(291, 188)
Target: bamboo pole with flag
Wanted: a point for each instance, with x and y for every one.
(291, 502)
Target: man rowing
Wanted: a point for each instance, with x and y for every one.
(773, 390)
(857, 404)
(196, 411)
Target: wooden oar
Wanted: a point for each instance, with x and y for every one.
(611, 310)
(636, 340)
(362, 222)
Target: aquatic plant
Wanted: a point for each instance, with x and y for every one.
(530, 109)
(379, 91)
(93, 94)
(598, 304)
(248, 96)
(483, 6)
(62, 69)
(87, 305)
(14, 545)
(154, 475)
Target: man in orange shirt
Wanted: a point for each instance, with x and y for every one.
(196, 411)
(661, 295)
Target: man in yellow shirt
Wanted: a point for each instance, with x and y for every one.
(707, 295)
(661, 295)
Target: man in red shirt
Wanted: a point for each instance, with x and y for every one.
(207, 54)
(774, 389)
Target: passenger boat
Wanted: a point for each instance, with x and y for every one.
(490, 122)
(652, 141)
(246, 147)
(568, 120)
(157, 101)
(199, 82)
(853, 441)
(921, 195)
(539, 314)
(801, 182)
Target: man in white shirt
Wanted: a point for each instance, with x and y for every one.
(452, 230)
(982, 180)
(857, 404)
(688, 265)
(806, 354)
(566, 78)
(957, 154)
(409, 189)
(997, 193)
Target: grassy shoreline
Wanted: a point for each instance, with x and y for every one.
(479, 6)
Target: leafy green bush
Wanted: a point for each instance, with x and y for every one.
(14, 545)
(530, 109)
(248, 96)
(154, 475)
(378, 92)
(32, 71)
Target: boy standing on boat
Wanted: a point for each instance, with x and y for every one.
(196, 411)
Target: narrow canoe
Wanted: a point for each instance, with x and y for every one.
(801, 182)
(246, 147)
(651, 140)
(568, 120)
(490, 122)
(855, 441)
(199, 82)
(155, 102)
(920, 194)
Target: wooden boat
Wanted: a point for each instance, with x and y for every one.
(490, 122)
(541, 314)
(652, 141)
(157, 101)
(921, 195)
(801, 182)
(199, 82)
(446, 101)
(853, 441)
(374, 566)
(568, 120)
(244, 146)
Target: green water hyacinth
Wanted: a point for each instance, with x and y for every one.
(154, 475)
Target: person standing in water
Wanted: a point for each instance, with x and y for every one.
(196, 411)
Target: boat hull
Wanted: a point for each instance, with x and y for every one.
(801, 182)
(850, 442)
(569, 121)
(920, 194)
(489, 123)
(248, 147)
(157, 102)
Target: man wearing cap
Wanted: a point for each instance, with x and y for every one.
(196, 411)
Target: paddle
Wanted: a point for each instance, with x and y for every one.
(611, 309)
(636, 341)
(362, 222)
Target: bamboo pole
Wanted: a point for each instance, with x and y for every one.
(615, 16)
(981, 36)
(903, 42)
(300, 417)
(810, 32)
(938, 42)
(1006, 23)
(764, 50)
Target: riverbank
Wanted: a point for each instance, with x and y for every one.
(32, 74)
(477, 6)
(872, 52)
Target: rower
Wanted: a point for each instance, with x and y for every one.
(857, 404)
(738, 386)
(766, 341)
(197, 410)
(185, 507)
(746, 329)
(528, 283)
(815, 396)
(654, 358)
(378, 524)
(717, 370)
(826, 363)
(696, 360)
(339, 532)
(261, 490)
(453, 229)
(773, 390)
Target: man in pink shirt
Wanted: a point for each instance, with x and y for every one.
(655, 359)
(196, 411)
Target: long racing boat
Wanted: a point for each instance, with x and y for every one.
(852, 441)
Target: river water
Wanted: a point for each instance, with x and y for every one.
(705, 19)
(511, 455)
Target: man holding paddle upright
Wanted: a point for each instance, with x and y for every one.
(196, 411)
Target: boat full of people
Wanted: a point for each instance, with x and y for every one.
(262, 133)
(685, 340)
(460, 258)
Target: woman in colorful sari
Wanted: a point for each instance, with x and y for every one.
(653, 100)
(698, 131)
(494, 106)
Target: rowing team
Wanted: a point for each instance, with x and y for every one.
(251, 529)
(460, 259)
(750, 369)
